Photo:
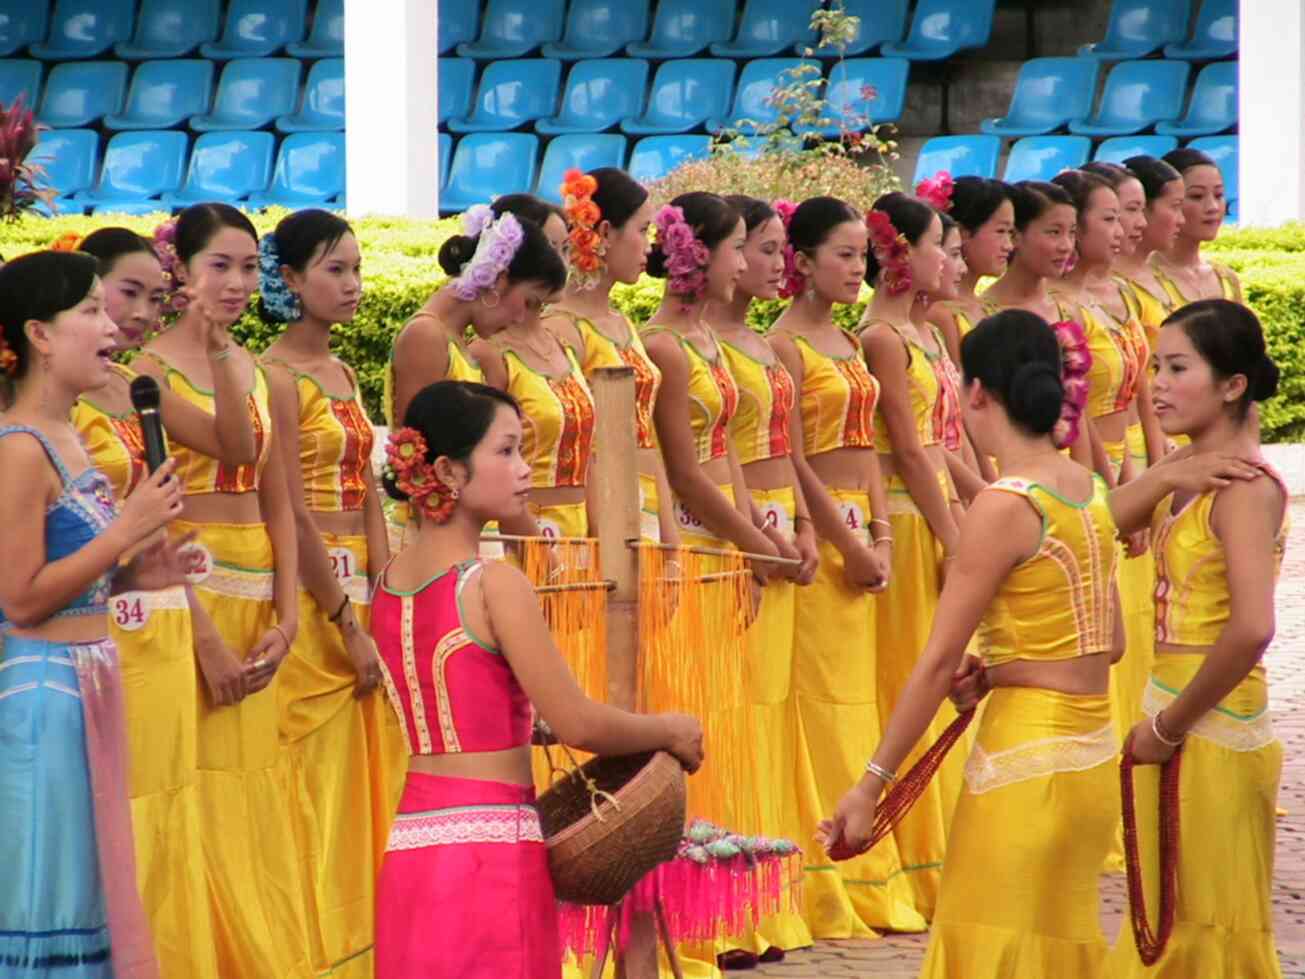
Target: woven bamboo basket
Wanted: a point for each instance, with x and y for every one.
(610, 822)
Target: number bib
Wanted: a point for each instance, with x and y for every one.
(688, 520)
(198, 562)
(775, 517)
(130, 612)
(854, 517)
(549, 528)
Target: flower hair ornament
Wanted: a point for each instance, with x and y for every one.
(794, 281)
(936, 191)
(1075, 363)
(69, 241)
(497, 241)
(165, 248)
(891, 250)
(686, 256)
(582, 216)
(407, 467)
(272, 287)
(8, 359)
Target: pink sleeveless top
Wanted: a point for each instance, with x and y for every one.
(452, 692)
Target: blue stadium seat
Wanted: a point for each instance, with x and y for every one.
(598, 95)
(1049, 92)
(1117, 149)
(768, 27)
(251, 93)
(459, 22)
(599, 29)
(942, 28)
(20, 76)
(137, 168)
(258, 28)
(511, 94)
(758, 82)
(85, 28)
(22, 22)
(584, 151)
(309, 172)
(70, 158)
(685, 92)
(171, 29)
(456, 76)
(881, 22)
(1215, 35)
(849, 81)
(1138, 95)
(1042, 157)
(225, 167)
(486, 165)
(1140, 27)
(1213, 108)
(79, 93)
(961, 156)
(165, 93)
(514, 28)
(1223, 150)
(323, 108)
(683, 28)
(653, 157)
(326, 37)
(445, 151)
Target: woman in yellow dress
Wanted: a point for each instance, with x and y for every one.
(1218, 554)
(833, 682)
(1163, 188)
(346, 749)
(1034, 575)
(906, 256)
(160, 635)
(1181, 270)
(245, 572)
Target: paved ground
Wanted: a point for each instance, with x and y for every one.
(898, 957)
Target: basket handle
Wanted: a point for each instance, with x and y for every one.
(595, 793)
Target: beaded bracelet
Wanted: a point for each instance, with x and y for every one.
(1161, 736)
(335, 616)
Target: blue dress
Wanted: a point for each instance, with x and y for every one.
(52, 908)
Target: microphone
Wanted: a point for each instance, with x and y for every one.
(145, 399)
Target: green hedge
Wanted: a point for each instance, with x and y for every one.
(400, 272)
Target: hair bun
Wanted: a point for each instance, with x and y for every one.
(1035, 396)
(456, 252)
(1265, 384)
(656, 262)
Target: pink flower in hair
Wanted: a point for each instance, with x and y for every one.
(794, 281)
(936, 191)
(1076, 363)
(686, 257)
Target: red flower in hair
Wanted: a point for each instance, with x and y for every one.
(892, 251)
(936, 191)
(1076, 362)
(794, 281)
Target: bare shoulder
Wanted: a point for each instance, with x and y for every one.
(1247, 504)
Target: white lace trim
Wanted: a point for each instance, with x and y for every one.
(986, 771)
(1235, 734)
(231, 583)
(469, 824)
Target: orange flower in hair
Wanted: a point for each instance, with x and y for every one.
(413, 474)
(8, 359)
(583, 216)
(69, 241)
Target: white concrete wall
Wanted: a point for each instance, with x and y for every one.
(390, 81)
(1272, 81)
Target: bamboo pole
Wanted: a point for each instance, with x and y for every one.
(605, 584)
(636, 543)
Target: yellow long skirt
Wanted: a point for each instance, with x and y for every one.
(903, 617)
(1020, 886)
(249, 844)
(838, 725)
(157, 651)
(1228, 793)
(348, 758)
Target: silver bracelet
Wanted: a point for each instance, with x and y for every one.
(1161, 736)
(880, 772)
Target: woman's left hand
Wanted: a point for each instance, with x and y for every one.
(1144, 747)
(846, 834)
(161, 565)
(808, 552)
(264, 660)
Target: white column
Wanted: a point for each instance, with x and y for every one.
(1272, 110)
(390, 79)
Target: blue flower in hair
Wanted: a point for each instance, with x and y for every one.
(277, 297)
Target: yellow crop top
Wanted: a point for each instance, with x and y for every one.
(1192, 604)
(202, 474)
(1058, 603)
(600, 350)
(926, 391)
(947, 421)
(1119, 356)
(557, 420)
(335, 445)
(1151, 310)
(114, 442)
(461, 368)
(839, 397)
(1227, 285)
(713, 397)
(760, 429)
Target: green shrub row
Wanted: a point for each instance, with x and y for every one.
(400, 272)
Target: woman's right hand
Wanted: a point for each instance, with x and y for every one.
(684, 740)
(153, 504)
(224, 674)
(863, 569)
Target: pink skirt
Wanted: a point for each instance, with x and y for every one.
(464, 889)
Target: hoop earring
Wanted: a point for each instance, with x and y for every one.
(484, 298)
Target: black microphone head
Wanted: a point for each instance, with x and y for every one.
(145, 393)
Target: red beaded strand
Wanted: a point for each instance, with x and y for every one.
(1151, 945)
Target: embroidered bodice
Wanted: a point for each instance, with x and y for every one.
(839, 397)
(760, 429)
(114, 442)
(557, 420)
(600, 350)
(713, 397)
(1119, 356)
(925, 387)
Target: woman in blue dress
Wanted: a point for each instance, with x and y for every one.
(68, 901)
